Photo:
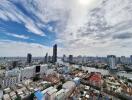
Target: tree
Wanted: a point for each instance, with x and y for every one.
(59, 87)
(87, 71)
(104, 85)
(32, 96)
(62, 80)
(46, 86)
(18, 98)
(36, 78)
(81, 92)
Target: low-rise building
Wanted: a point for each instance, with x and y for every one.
(6, 97)
(69, 86)
(7, 90)
(60, 95)
(95, 79)
(51, 94)
(1, 94)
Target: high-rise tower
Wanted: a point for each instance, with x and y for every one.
(55, 53)
(29, 58)
(111, 61)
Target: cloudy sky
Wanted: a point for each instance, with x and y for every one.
(79, 27)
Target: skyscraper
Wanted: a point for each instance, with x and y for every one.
(29, 58)
(70, 59)
(46, 58)
(111, 61)
(15, 64)
(64, 57)
(50, 59)
(55, 53)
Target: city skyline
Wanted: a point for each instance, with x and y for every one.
(78, 27)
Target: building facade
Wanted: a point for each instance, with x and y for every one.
(111, 59)
(10, 81)
(55, 53)
(70, 59)
(15, 76)
(29, 58)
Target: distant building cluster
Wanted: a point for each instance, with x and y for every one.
(47, 58)
(111, 60)
(65, 78)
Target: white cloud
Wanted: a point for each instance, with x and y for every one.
(91, 30)
(32, 28)
(10, 12)
(18, 36)
(82, 29)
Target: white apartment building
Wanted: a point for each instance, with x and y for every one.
(43, 69)
(17, 75)
(27, 73)
(10, 78)
(112, 61)
(10, 81)
(13, 72)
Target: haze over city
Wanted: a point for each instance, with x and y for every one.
(79, 27)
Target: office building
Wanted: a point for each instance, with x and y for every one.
(111, 61)
(15, 64)
(131, 59)
(46, 58)
(123, 59)
(64, 58)
(29, 72)
(70, 59)
(29, 58)
(55, 53)
(49, 59)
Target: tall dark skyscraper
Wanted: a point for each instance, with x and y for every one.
(29, 58)
(15, 64)
(55, 53)
(70, 59)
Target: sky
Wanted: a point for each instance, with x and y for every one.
(78, 27)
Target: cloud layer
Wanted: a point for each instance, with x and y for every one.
(17, 36)
(99, 27)
(10, 12)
